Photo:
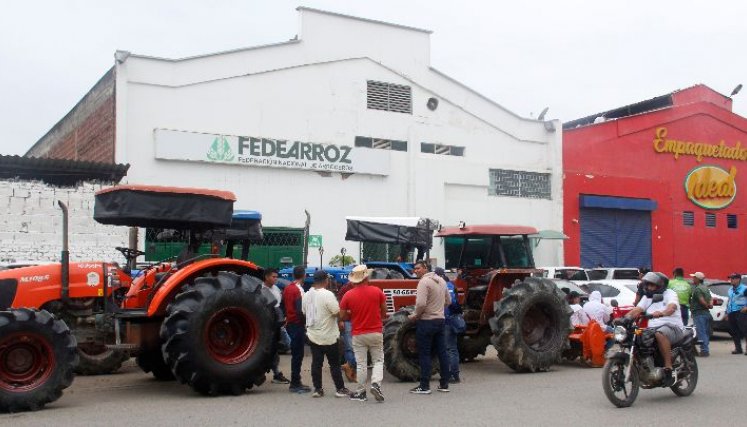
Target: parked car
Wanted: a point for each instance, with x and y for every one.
(567, 287)
(621, 290)
(612, 273)
(720, 294)
(576, 274)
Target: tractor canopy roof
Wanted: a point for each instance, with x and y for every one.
(413, 231)
(486, 230)
(164, 207)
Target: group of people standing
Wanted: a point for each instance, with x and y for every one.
(319, 318)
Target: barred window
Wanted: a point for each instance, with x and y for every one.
(710, 220)
(380, 143)
(448, 150)
(389, 97)
(688, 218)
(731, 221)
(531, 185)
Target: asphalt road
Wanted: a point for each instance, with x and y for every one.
(490, 394)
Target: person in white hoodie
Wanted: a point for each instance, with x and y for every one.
(596, 310)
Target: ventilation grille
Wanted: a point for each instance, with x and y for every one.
(380, 143)
(530, 185)
(688, 218)
(710, 220)
(447, 150)
(731, 221)
(389, 97)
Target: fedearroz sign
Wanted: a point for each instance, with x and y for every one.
(267, 152)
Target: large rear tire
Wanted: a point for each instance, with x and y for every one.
(531, 325)
(99, 360)
(37, 359)
(400, 347)
(220, 334)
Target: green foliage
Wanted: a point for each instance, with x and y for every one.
(336, 261)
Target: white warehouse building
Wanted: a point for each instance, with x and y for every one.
(348, 118)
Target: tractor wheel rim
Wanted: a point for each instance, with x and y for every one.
(26, 362)
(232, 335)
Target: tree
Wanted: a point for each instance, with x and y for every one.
(337, 260)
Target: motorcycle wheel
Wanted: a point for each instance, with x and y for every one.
(687, 374)
(621, 393)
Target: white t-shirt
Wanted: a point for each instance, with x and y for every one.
(579, 316)
(277, 293)
(670, 297)
(324, 329)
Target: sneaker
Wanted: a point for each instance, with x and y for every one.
(376, 391)
(703, 354)
(454, 379)
(299, 388)
(443, 388)
(668, 378)
(359, 396)
(280, 379)
(343, 392)
(318, 393)
(736, 352)
(420, 390)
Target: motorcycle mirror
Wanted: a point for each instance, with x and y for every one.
(658, 298)
(614, 303)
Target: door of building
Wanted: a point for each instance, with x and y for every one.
(615, 237)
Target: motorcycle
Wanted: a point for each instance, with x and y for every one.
(638, 364)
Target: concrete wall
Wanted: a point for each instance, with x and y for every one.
(86, 133)
(31, 224)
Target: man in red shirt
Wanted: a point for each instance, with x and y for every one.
(295, 325)
(365, 307)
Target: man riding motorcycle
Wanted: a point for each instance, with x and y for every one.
(666, 318)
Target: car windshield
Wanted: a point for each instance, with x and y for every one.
(597, 274)
(568, 287)
(626, 274)
(720, 289)
(633, 288)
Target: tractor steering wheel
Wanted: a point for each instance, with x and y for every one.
(129, 253)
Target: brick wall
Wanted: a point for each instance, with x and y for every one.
(87, 132)
(31, 224)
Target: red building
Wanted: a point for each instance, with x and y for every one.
(661, 183)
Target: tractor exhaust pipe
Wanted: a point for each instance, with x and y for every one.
(65, 255)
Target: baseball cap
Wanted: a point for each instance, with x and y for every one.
(698, 274)
(573, 294)
(735, 276)
(320, 276)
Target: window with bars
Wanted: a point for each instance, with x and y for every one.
(380, 143)
(731, 221)
(688, 218)
(710, 220)
(389, 97)
(447, 150)
(531, 185)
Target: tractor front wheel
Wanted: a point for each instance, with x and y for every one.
(531, 325)
(220, 334)
(37, 359)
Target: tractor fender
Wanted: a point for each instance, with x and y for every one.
(166, 292)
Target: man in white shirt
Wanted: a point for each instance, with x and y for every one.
(321, 310)
(579, 316)
(596, 310)
(666, 318)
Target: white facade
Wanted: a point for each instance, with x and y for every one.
(314, 89)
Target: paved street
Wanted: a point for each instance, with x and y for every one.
(491, 394)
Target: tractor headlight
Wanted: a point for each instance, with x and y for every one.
(620, 333)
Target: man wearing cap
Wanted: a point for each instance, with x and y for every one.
(579, 316)
(321, 309)
(737, 311)
(700, 304)
(365, 307)
(294, 324)
(430, 300)
(683, 291)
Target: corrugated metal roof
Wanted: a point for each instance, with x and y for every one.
(59, 171)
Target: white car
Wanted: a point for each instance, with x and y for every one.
(623, 291)
(612, 273)
(574, 274)
(720, 295)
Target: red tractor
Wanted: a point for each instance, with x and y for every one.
(527, 319)
(204, 320)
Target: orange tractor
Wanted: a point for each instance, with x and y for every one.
(204, 320)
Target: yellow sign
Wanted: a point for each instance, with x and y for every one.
(697, 149)
(711, 187)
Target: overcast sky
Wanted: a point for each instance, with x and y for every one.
(576, 57)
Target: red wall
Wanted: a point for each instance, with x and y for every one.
(617, 158)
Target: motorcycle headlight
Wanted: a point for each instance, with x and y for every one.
(620, 333)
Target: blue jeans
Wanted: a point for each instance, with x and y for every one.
(702, 323)
(430, 339)
(452, 350)
(685, 312)
(347, 338)
(298, 339)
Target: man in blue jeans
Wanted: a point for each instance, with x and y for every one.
(295, 324)
(700, 305)
(431, 298)
(450, 334)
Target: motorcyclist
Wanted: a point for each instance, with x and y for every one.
(666, 318)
